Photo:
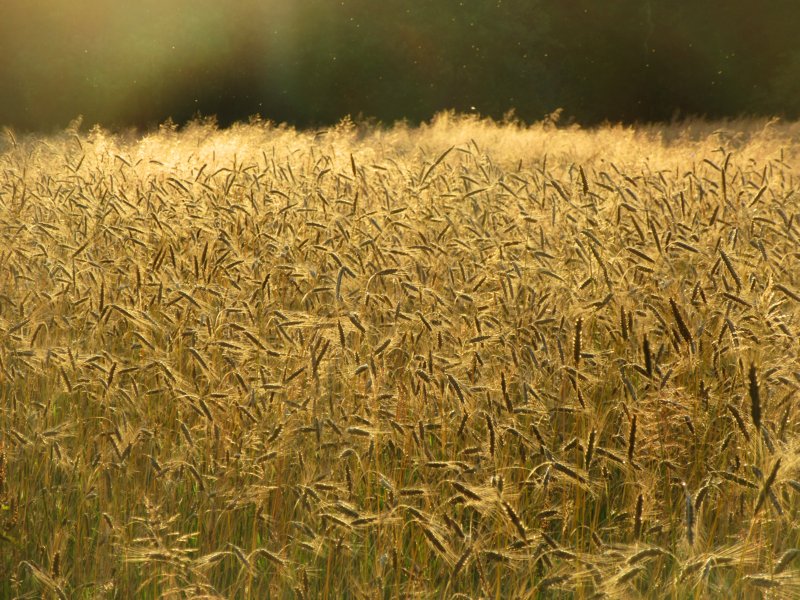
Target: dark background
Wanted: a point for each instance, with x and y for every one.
(311, 62)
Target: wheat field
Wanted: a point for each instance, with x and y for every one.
(463, 360)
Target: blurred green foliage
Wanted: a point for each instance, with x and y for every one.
(310, 62)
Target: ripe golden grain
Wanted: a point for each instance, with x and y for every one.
(263, 335)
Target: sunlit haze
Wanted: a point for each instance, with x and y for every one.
(314, 61)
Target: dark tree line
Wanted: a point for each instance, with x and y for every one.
(310, 62)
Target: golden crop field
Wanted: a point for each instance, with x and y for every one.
(469, 359)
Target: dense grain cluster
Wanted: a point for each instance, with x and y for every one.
(463, 360)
